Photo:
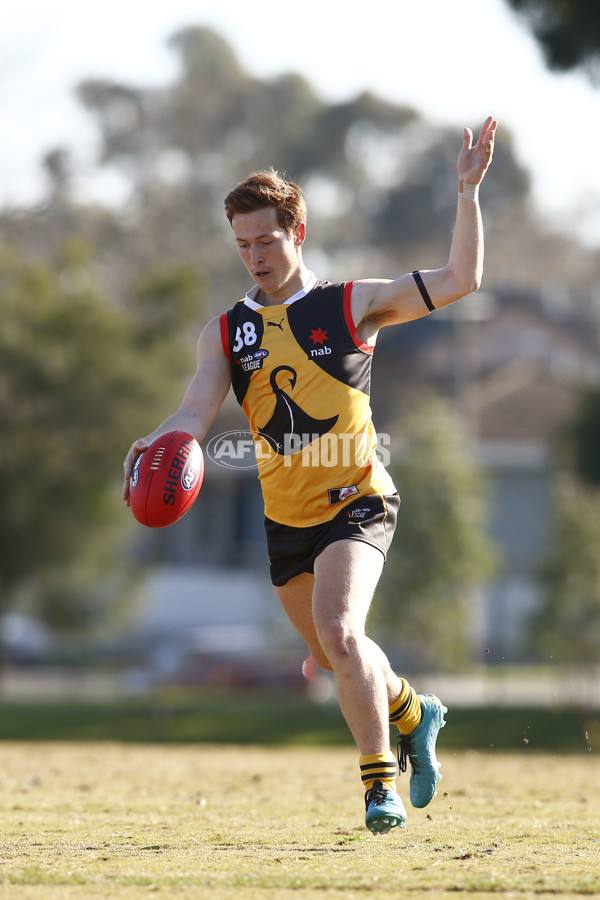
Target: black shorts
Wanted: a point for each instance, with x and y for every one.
(292, 551)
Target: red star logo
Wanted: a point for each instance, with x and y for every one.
(319, 336)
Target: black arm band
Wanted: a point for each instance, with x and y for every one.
(423, 291)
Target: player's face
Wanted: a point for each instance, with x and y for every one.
(270, 254)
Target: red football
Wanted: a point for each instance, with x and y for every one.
(166, 479)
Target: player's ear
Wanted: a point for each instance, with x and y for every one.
(300, 234)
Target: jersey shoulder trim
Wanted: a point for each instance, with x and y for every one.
(224, 324)
(366, 348)
(227, 322)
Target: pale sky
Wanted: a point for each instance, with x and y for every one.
(455, 61)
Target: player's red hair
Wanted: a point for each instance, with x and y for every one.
(268, 188)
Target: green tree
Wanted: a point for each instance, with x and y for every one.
(79, 379)
(379, 180)
(377, 175)
(581, 438)
(568, 32)
(441, 553)
(566, 627)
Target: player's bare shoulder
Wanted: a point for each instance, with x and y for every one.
(377, 302)
(363, 293)
(209, 341)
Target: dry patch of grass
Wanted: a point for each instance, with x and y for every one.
(123, 821)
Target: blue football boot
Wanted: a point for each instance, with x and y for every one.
(419, 747)
(385, 809)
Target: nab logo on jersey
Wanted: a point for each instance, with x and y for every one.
(318, 336)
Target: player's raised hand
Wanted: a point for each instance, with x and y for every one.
(473, 160)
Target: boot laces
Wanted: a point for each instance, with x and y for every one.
(404, 752)
(377, 794)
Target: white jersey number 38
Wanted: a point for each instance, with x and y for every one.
(247, 338)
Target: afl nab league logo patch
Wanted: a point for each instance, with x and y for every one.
(252, 361)
(336, 495)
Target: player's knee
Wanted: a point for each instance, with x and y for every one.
(337, 638)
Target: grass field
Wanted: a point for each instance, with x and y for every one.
(103, 820)
(276, 718)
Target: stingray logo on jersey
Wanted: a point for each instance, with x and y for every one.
(253, 361)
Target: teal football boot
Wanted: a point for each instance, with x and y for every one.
(384, 809)
(419, 747)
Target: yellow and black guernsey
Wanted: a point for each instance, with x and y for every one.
(303, 379)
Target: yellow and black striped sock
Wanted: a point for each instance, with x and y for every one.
(405, 712)
(378, 767)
